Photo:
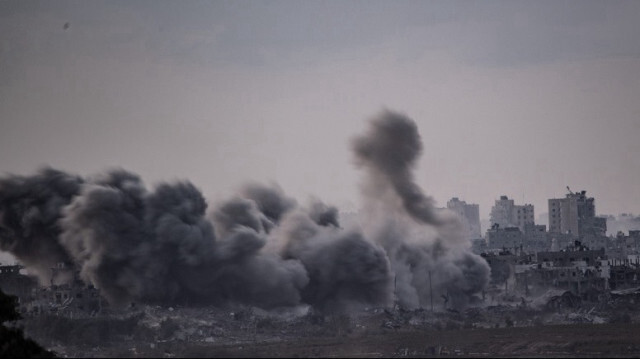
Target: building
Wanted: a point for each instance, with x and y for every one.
(575, 215)
(469, 215)
(624, 247)
(576, 268)
(504, 238)
(536, 238)
(624, 274)
(13, 282)
(506, 213)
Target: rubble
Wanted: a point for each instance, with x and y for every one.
(145, 330)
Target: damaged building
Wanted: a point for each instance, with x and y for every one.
(14, 282)
(576, 268)
(73, 299)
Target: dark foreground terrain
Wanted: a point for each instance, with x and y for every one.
(505, 331)
(570, 340)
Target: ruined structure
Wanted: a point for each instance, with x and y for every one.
(576, 268)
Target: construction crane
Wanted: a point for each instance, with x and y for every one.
(569, 189)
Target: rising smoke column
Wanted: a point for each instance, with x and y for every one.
(427, 255)
(389, 152)
(30, 208)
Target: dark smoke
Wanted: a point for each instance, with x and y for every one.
(257, 248)
(389, 152)
(428, 256)
(323, 215)
(30, 208)
(345, 269)
(271, 202)
(235, 213)
(159, 247)
(104, 231)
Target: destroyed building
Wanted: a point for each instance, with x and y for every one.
(576, 268)
(14, 282)
(624, 274)
(623, 246)
(73, 299)
(503, 265)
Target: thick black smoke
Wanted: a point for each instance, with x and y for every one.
(345, 270)
(104, 231)
(256, 248)
(323, 215)
(30, 208)
(159, 247)
(271, 202)
(389, 153)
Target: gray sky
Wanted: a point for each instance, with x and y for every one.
(511, 98)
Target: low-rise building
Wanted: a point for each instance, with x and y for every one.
(504, 238)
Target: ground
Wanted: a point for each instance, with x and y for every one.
(585, 340)
(499, 331)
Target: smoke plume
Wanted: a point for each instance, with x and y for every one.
(259, 247)
(429, 259)
(30, 208)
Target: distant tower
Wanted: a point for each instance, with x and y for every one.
(469, 215)
(576, 215)
(506, 213)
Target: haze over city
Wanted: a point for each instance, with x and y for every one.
(512, 98)
(269, 178)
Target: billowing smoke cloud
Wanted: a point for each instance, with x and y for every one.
(345, 269)
(259, 247)
(323, 215)
(271, 202)
(104, 231)
(389, 152)
(428, 257)
(30, 208)
(159, 247)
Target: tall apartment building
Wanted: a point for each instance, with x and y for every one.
(469, 215)
(575, 215)
(506, 213)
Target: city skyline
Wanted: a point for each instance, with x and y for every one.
(511, 98)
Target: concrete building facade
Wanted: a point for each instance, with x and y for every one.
(504, 238)
(469, 215)
(506, 213)
(575, 215)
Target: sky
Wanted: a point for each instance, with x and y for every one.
(516, 98)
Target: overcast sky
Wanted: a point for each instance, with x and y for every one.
(511, 98)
